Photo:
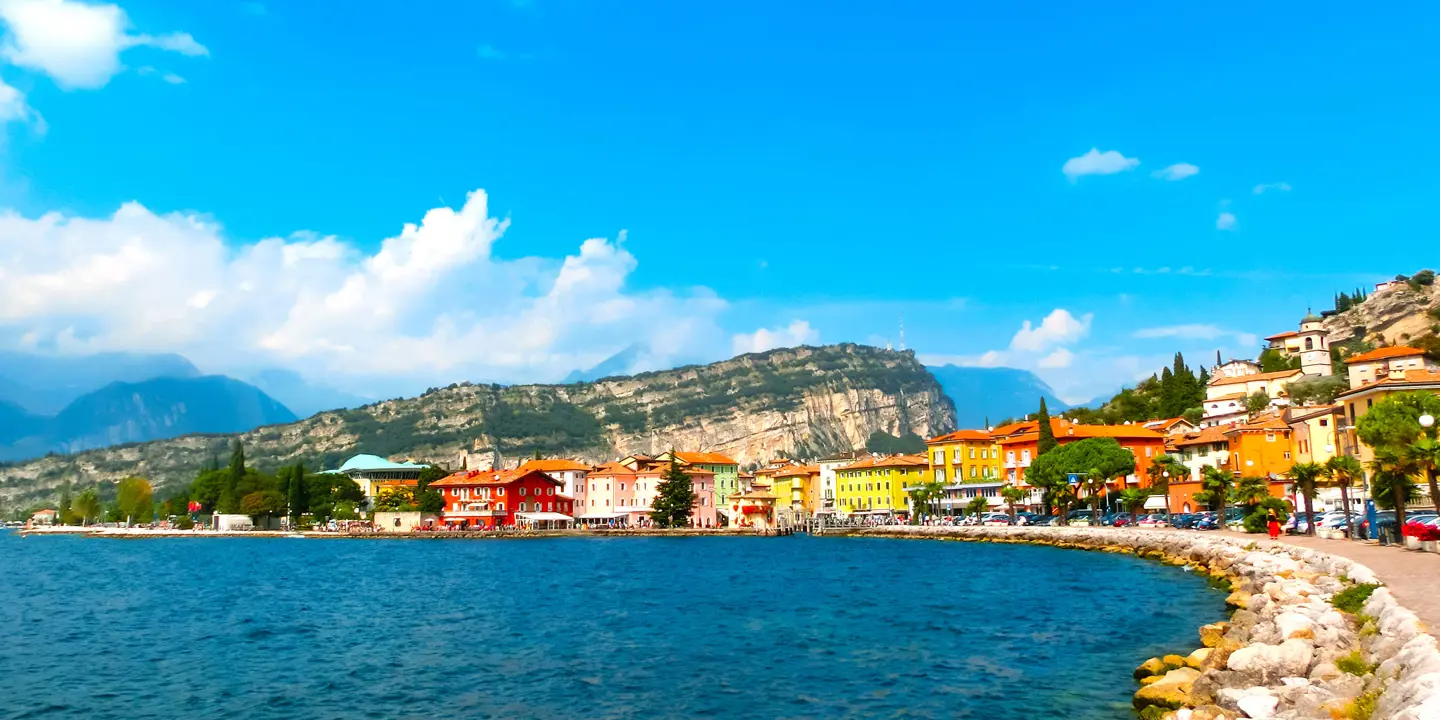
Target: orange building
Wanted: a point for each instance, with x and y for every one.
(1260, 447)
(1019, 443)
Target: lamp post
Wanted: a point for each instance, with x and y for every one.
(1166, 474)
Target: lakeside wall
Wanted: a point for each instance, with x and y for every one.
(1281, 653)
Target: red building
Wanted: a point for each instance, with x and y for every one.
(494, 498)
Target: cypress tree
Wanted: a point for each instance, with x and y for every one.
(1046, 441)
(228, 502)
(297, 494)
(674, 499)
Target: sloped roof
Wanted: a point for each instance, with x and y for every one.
(1419, 378)
(1283, 335)
(958, 435)
(799, 471)
(375, 462)
(1385, 353)
(490, 477)
(557, 465)
(1277, 375)
(707, 458)
(1262, 423)
(1204, 437)
(887, 462)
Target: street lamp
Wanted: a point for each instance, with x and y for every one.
(1427, 421)
(1166, 474)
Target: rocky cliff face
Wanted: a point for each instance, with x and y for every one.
(799, 401)
(1392, 317)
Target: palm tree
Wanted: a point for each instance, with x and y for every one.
(1215, 484)
(1161, 471)
(1251, 491)
(977, 507)
(1391, 482)
(1304, 475)
(924, 498)
(1425, 452)
(1011, 495)
(1344, 470)
(1133, 499)
(1062, 496)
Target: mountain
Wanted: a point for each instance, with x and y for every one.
(15, 422)
(618, 364)
(802, 401)
(994, 393)
(136, 412)
(1407, 313)
(303, 397)
(45, 384)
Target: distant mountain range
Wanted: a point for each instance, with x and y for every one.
(45, 384)
(124, 412)
(993, 394)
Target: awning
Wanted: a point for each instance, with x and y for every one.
(544, 516)
(601, 516)
(1155, 502)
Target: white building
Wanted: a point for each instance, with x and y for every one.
(1386, 363)
(1226, 397)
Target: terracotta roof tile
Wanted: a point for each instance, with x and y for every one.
(1204, 437)
(1281, 336)
(558, 465)
(886, 462)
(1385, 353)
(707, 458)
(1424, 377)
(1255, 378)
(958, 435)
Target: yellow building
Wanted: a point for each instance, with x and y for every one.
(1315, 433)
(877, 484)
(963, 456)
(1360, 398)
(797, 490)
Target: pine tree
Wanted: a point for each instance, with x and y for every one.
(297, 494)
(65, 509)
(674, 499)
(1046, 441)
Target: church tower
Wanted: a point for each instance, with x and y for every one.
(1314, 346)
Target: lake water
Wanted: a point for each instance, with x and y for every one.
(794, 627)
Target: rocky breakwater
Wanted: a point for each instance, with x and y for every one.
(1310, 635)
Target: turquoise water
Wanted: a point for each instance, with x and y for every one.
(793, 627)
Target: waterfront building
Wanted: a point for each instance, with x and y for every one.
(376, 475)
(1226, 397)
(489, 499)
(1020, 445)
(1234, 368)
(725, 470)
(1364, 393)
(828, 466)
(48, 516)
(1174, 427)
(963, 456)
(624, 492)
(753, 509)
(1261, 447)
(1315, 432)
(876, 484)
(797, 492)
(570, 473)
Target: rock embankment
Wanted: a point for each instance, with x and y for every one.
(1310, 635)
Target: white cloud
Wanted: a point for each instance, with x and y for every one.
(432, 304)
(1098, 163)
(1281, 186)
(1226, 221)
(798, 332)
(1196, 331)
(14, 108)
(1058, 328)
(173, 79)
(1178, 171)
(78, 44)
(1061, 358)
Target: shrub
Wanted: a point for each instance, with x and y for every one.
(1352, 599)
(1255, 521)
(1354, 663)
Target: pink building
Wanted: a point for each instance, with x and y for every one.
(623, 492)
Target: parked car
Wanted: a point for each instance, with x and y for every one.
(1153, 521)
(1207, 521)
(1080, 517)
(1182, 520)
(995, 519)
(1123, 519)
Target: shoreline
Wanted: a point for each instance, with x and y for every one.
(146, 533)
(1285, 652)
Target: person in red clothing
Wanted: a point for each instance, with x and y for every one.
(1272, 522)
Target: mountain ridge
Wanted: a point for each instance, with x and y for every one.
(803, 401)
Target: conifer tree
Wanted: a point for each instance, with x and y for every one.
(1046, 441)
(297, 494)
(675, 497)
(228, 502)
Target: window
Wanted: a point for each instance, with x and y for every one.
(500, 507)
(1287, 454)
(522, 507)
(1149, 451)
(522, 491)
(500, 492)
(1270, 437)
(972, 471)
(622, 487)
(972, 453)
(1309, 343)
(939, 457)
(940, 475)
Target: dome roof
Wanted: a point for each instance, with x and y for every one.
(1310, 318)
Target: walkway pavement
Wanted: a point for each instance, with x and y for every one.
(1413, 577)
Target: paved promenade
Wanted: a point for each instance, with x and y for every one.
(1413, 577)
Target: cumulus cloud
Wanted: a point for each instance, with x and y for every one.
(1097, 163)
(1280, 186)
(78, 44)
(431, 304)
(1058, 328)
(1178, 171)
(1061, 358)
(1226, 221)
(797, 332)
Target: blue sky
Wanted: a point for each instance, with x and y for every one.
(817, 170)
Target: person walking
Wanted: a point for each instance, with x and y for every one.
(1272, 522)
